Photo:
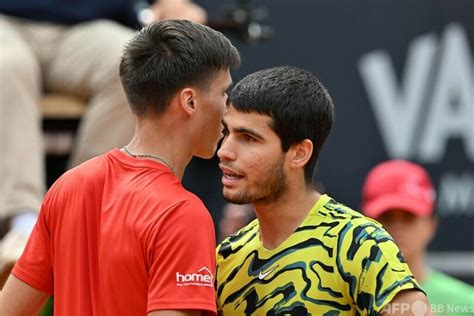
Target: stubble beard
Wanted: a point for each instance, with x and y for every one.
(268, 189)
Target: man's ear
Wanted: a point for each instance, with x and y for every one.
(187, 100)
(300, 153)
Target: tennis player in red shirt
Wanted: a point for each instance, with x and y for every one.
(119, 235)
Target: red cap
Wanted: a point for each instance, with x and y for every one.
(398, 184)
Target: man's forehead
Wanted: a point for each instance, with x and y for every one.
(232, 115)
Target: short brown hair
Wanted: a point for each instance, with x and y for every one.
(169, 55)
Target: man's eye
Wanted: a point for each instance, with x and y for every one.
(225, 131)
(248, 138)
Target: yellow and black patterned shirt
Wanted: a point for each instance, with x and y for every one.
(337, 262)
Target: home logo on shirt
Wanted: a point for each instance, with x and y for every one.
(202, 277)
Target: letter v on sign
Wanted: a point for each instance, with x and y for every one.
(397, 109)
(452, 86)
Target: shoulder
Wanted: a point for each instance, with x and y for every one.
(237, 241)
(362, 246)
(185, 215)
(185, 224)
(191, 208)
(76, 180)
(348, 226)
(334, 211)
(90, 170)
(364, 253)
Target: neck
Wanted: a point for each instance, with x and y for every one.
(156, 137)
(291, 209)
(418, 267)
(156, 157)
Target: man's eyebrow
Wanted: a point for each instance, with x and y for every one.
(244, 130)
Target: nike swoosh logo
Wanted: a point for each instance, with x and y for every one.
(263, 275)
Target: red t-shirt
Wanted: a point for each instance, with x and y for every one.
(121, 236)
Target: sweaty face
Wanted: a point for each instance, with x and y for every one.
(411, 233)
(252, 161)
(212, 103)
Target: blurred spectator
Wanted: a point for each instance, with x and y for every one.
(400, 195)
(71, 47)
(234, 217)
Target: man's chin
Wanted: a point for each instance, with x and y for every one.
(235, 199)
(206, 155)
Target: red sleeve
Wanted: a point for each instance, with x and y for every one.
(34, 266)
(182, 261)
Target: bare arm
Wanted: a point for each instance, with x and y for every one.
(175, 313)
(18, 298)
(408, 303)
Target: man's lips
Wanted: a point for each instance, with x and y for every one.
(229, 176)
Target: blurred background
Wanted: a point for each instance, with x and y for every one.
(401, 77)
